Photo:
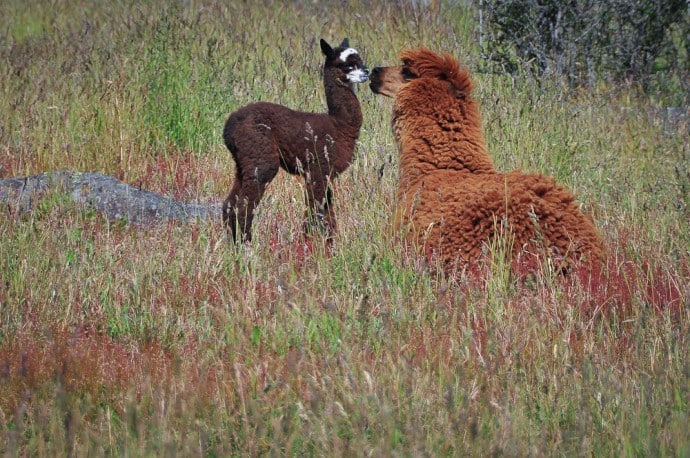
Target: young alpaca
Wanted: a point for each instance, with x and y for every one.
(450, 198)
(264, 137)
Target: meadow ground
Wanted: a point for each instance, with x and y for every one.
(165, 339)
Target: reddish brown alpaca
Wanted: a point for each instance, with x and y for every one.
(263, 137)
(451, 201)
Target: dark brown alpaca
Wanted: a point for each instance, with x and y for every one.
(264, 137)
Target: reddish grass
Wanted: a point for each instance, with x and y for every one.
(17, 160)
(300, 251)
(185, 176)
(623, 286)
(619, 287)
(89, 363)
(82, 360)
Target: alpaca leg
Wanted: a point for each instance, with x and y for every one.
(329, 212)
(244, 197)
(230, 209)
(320, 211)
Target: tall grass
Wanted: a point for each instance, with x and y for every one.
(163, 340)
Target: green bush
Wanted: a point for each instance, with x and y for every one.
(586, 41)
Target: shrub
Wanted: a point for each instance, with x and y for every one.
(585, 40)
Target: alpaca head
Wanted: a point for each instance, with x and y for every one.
(346, 61)
(433, 100)
(421, 66)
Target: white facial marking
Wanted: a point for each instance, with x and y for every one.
(358, 76)
(346, 53)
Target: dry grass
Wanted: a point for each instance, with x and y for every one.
(166, 340)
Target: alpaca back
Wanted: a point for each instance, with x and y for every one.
(458, 215)
(300, 137)
(546, 215)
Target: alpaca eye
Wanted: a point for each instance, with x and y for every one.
(407, 74)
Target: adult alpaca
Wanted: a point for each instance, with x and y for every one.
(263, 137)
(450, 198)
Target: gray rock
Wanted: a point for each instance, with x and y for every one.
(118, 200)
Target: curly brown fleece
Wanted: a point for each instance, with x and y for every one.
(451, 201)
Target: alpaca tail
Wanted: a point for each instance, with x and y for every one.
(229, 135)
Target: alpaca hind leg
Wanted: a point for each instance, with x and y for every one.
(230, 209)
(238, 208)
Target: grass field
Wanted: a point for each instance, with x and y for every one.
(164, 340)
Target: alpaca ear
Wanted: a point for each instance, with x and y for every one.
(326, 48)
(345, 43)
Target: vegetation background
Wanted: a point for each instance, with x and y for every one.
(161, 340)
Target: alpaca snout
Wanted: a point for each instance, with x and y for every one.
(360, 75)
(386, 80)
(375, 79)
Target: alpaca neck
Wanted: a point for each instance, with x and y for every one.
(420, 160)
(458, 142)
(342, 101)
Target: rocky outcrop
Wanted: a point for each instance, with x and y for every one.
(107, 194)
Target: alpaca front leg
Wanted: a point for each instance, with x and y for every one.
(320, 213)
